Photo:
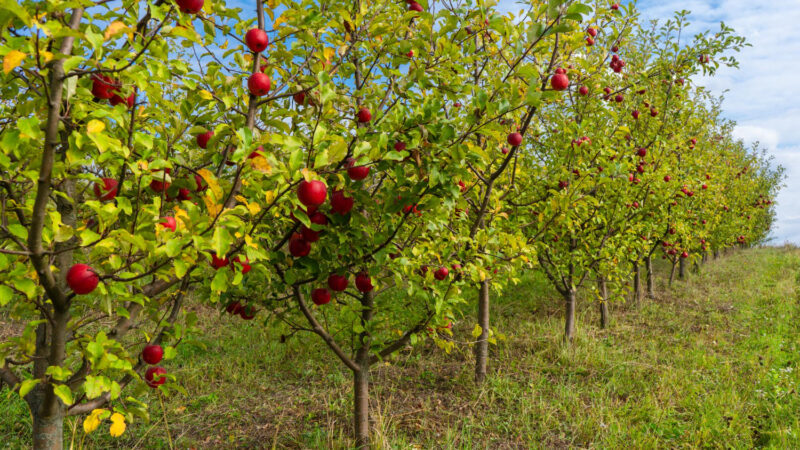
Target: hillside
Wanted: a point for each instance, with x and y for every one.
(713, 362)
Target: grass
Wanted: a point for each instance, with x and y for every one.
(713, 362)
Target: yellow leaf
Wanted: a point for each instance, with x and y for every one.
(211, 204)
(117, 425)
(181, 216)
(95, 126)
(46, 55)
(260, 164)
(476, 332)
(113, 29)
(278, 21)
(328, 53)
(92, 421)
(211, 181)
(254, 208)
(204, 94)
(270, 196)
(249, 241)
(12, 60)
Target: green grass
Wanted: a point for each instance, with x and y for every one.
(713, 362)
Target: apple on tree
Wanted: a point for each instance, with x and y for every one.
(152, 354)
(82, 279)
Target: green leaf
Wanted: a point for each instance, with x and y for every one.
(64, 393)
(220, 281)
(5, 295)
(295, 160)
(27, 386)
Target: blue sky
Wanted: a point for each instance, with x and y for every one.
(762, 95)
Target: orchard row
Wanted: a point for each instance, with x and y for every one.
(381, 163)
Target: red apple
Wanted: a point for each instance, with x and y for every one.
(591, 32)
(102, 86)
(169, 223)
(340, 203)
(184, 194)
(635, 114)
(667, 178)
(320, 296)
(312, 193)
(247, 312)
(117, 99)
(82, 279)
(203, 138)
(156, 376)
(234, 307)
(309, 234)
(152, 354)
(441, 273)
(514, 139)
(256, 40)
(159, 186)
(299, 247)
(414, 6)
(641, 152)
(356, 173)
(399, 146)
(615, 6)
(258, 84)
(364, 282)
(685, 254)
(107, 190)
(217, 262)
(299, 97)
(201, 184)
(559, 81)
(364, 115)
(589, 41)
(337, 282)
(584, 90)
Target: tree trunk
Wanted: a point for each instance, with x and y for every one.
(637, 283)
(681, 268)
(716, 254)
(569, 316)
(672, 274)
(601, 284)
(48, 432)
(361, 406)
(48, 418)
(482, 346)
(361, 376)
(648, 262)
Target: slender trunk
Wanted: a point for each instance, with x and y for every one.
(361, 406)
(672, 274)
(716, 254)
(361, 376)
(637, 283)
(681, 268)
(482, 346)
(648, 262)
(601, 284)
(569, 316)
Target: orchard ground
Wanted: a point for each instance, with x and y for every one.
(713, 362)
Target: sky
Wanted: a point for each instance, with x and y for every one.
(762, 95)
